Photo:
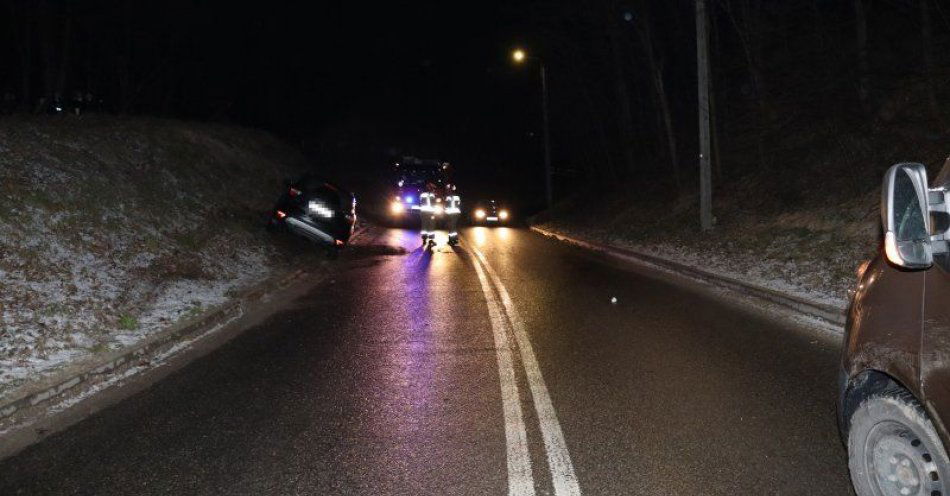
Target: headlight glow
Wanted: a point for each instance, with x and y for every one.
(503, 214)
(479, 214)
(396, 207)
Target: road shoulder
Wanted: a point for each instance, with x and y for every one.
(829, 317)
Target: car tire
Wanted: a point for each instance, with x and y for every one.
(893, 449)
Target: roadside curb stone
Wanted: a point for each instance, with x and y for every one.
(828, 313)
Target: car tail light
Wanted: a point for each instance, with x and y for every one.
(281, 214)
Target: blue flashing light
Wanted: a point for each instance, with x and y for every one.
(410, 199)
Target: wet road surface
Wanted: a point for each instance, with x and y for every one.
(496, 367)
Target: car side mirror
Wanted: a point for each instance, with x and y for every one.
(906, 207)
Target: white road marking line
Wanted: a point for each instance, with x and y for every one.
(520, 480)
(559, 459)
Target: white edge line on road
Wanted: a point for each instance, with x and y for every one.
(520, 480)
(559, 459)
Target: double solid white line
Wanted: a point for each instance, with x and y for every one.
(503, 315)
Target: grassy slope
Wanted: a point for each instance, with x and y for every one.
(114, 228)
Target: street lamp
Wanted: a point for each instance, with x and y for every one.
(519, 56)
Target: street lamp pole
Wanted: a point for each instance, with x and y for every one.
(548, 193)
(519, 57)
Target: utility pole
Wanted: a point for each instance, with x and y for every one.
(702, 63)
(548, 194)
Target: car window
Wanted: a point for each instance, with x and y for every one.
(312, 183)
(907, 214)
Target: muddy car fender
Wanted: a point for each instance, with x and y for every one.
(881, 347)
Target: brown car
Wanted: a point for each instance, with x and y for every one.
(894, 402)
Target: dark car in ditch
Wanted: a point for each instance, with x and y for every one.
(317, 210)
(894, 383)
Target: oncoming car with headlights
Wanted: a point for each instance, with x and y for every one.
(316, 210)
(490, 212)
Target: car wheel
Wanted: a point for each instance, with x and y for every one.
(894, 450)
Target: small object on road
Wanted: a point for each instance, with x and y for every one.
(613, 300)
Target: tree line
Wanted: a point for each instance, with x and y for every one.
(623, 74)
(119, 56)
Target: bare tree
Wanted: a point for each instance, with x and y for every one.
(65, 52)
(747, 25)
(926, 49)
(47, 47)
(23, 36)
(861, 41)
(625, 119)
(716, 114)
(579, 77)
(642, 22)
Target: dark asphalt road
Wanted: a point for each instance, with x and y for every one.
(389, 381)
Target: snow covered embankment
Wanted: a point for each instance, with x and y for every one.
(809, 254)
(113, 229)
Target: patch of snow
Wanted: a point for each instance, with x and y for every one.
(63, 298)
(782, 276)
(81, 273)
